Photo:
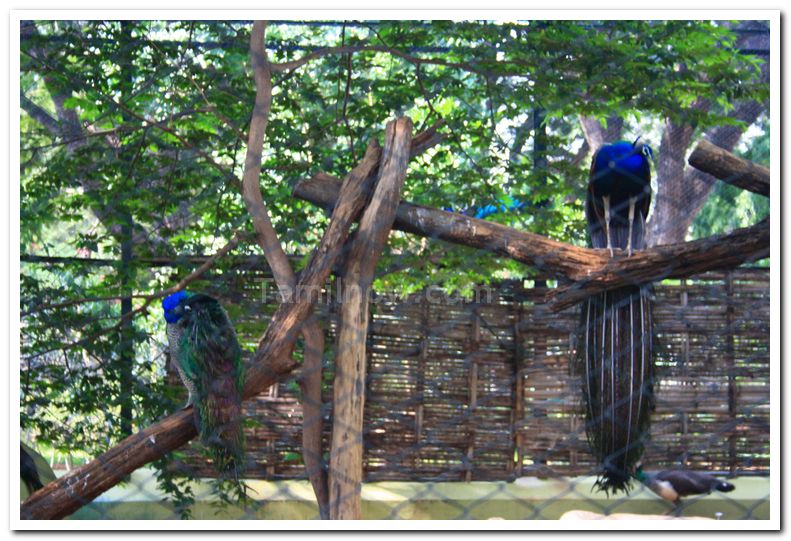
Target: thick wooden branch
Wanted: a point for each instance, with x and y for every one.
(729, 168)
(680, 260)
(346, 451)
(557, 258)
(592, 269)
(272, 361)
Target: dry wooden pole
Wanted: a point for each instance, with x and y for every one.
(474, 350)
(729, 168)
(592, 269)
(719, 252)
(272, 361)
(346, 452)
(730, 361)
(518, 409)
(420, 385)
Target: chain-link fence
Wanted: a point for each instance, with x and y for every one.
(475, 403)
(472, 411)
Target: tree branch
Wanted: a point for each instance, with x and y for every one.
(251, 178)
(556, 257)
(592, 268)
(680, 260)
(729, 168)
(312, 422)
(40, 115)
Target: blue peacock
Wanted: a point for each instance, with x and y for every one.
(206, 353)
(615, 357)
(619, 195)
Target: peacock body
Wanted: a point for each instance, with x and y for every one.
(672, 485)
(615, 357)
(619, 196)
(207, 355)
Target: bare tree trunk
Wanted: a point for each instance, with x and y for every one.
(663, 224)
(597, 135)
(346, 454)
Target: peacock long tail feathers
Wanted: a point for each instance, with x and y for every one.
(219, 419)
(615, 363)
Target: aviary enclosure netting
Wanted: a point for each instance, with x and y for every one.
(461, 391)
(425, 358)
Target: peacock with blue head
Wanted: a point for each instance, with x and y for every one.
(207, 355)
(615, 357)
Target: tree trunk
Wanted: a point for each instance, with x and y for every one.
(346, 454)
(681, 191)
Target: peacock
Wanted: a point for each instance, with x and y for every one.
(619, 195)
(34, 471)
(614, 360)
(208, 358)
(672, 485)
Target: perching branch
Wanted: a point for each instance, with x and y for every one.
(729, 168)
(543, 253)
(680, 260)
(593, 269)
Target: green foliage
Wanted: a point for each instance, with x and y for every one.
(729, 207)
(149, 146)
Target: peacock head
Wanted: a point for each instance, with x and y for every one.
(639, 474)
(624, 156)
(174, 306)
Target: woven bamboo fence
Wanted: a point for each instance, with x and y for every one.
(480, 389)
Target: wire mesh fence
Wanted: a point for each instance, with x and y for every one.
(476, 402)
(479, 389)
